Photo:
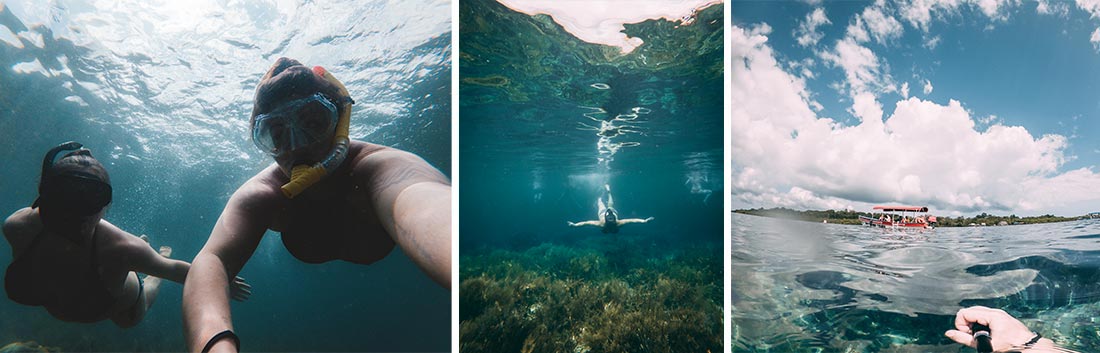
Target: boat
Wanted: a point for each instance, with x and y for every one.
(909, 217)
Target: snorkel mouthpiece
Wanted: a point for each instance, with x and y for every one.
(303, 176)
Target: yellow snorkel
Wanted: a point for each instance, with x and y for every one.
(304, 176)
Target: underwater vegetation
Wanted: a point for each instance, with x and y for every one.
(618, 295)
(27, 347)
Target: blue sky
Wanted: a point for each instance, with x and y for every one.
(1013, 82)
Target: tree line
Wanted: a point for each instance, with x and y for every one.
(852, 217)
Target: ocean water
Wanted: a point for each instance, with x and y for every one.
(548, 125)
(802, 286)
(161, 91)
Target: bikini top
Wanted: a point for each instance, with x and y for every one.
(25, 288)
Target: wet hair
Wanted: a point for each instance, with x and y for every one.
(57, 206)
(80, 161)
(288, 79)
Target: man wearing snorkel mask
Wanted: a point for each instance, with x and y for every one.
(607, 218)
(330, 198)
(75, 264)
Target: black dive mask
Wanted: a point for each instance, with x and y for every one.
(610, 216)
(73, 193)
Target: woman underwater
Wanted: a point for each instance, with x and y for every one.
(71, 261)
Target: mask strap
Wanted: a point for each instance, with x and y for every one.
(47, 162)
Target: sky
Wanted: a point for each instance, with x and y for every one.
(962, 106)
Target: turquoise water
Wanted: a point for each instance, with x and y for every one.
(801, 286)
(161, 93)
(549, 123)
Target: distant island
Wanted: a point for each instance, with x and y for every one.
(852, 217)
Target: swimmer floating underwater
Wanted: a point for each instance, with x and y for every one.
(330, 198)
(71, 261)
(609, 221)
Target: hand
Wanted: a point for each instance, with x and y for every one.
(239, 290)
(649, 219)
(1006, 333)
(571, 224)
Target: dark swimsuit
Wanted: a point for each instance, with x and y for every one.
(610, 226)
(93, 306)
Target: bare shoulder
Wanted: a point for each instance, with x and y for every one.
(21, 227)
(261, 189)
(388, 166)
(20, 220)
(119, 243)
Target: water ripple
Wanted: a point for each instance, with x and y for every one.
(870, 289)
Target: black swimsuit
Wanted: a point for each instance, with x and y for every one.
(610, 226)
(93, 306)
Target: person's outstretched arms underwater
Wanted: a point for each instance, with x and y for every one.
(596, 223)
(1005, 333)
(634, 220)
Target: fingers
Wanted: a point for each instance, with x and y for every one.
(979, 314)
(239, 289)
(240, 293)
(961, 337)
(240, 296)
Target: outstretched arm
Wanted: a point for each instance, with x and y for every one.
(587, 223)
(634, 220)
(235, 237)
(413, 201)
(141, 257)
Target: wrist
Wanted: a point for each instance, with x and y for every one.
(225, 341)
(1036, 344)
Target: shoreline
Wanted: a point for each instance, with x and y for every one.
(852, 218)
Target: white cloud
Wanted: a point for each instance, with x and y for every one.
(923, 153)
(882, 26)
(927, 87)
(807, 33)
(866, 107)
(1095, 39)
(932, 43)
(1090, 6)
(919, 12)
(1057, 8)
(992, 8)
(863, 71)
(857, 31)
(905, 90)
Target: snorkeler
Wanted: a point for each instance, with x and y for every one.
(78, 266)
(1002, 332)
(330, 198)
(609, 221)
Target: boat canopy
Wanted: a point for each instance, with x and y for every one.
(902, 208)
